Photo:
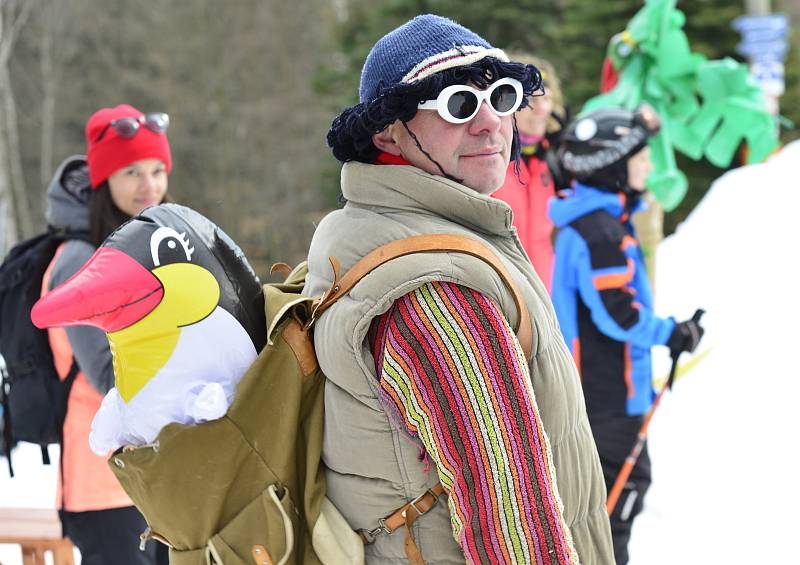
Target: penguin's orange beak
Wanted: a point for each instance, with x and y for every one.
(111, 291)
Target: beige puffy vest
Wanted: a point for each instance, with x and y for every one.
(372, 468)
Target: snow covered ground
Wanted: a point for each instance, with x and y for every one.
(724, 445)
(726, 471)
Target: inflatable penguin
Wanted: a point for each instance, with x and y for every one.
(184, 315)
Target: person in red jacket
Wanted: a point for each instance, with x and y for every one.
(528, 189)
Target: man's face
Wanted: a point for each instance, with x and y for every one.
(477, 152)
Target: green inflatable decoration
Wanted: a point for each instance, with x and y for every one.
(707, 108)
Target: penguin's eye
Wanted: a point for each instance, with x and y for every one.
(168, 246)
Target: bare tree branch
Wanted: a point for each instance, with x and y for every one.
(8, 36)
(49, 80)
(8, 223)
(12, 180)
(22, 207)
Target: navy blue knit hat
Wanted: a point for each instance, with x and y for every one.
(414, 63)
(418, 49)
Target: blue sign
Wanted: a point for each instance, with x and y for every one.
(774, 50)
(758, 35)
(775, 22)
(763, 37)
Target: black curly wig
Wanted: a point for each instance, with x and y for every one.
(350, 135)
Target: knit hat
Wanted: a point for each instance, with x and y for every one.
(112, 152)
(418, 49)
(414, 63)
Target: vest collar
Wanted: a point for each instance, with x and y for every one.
(408, 188)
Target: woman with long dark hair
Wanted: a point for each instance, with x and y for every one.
(125, 171)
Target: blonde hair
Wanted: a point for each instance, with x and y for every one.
(551, 84)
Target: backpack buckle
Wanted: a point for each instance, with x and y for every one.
(420, 498)
(314, 311)
(369, 536)
(328, 297)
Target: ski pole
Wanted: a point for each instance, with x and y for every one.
(633, 456)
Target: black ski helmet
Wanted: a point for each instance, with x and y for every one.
(596, 147)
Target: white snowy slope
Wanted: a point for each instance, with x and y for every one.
(724, 444)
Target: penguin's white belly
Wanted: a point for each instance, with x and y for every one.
(196, 384)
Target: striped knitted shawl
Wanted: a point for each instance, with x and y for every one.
(453, 375)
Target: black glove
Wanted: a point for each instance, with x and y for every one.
(685, 337)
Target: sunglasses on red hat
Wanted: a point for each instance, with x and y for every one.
(157, 122)
(460, 103)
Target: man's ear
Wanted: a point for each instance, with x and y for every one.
(385, 141)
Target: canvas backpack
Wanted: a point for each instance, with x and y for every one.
(249, 488)
(34, 398)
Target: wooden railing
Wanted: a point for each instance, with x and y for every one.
(37, 531)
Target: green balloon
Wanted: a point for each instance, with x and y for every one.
(707, 108)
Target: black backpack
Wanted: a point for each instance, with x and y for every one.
(34, 398)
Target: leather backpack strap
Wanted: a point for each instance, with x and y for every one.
(437, 243)
(405, 516)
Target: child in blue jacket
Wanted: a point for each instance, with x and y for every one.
(602, 295)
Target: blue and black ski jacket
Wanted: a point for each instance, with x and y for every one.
(604, 302)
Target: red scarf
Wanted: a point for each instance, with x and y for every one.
(385, 158)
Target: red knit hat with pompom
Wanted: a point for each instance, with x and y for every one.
(112, 152)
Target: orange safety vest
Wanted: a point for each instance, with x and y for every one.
(86, 482)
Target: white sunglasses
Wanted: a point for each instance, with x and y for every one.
(460, 103)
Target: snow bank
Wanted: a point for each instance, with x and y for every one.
(724, 444)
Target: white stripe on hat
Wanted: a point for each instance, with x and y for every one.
(456, 57)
